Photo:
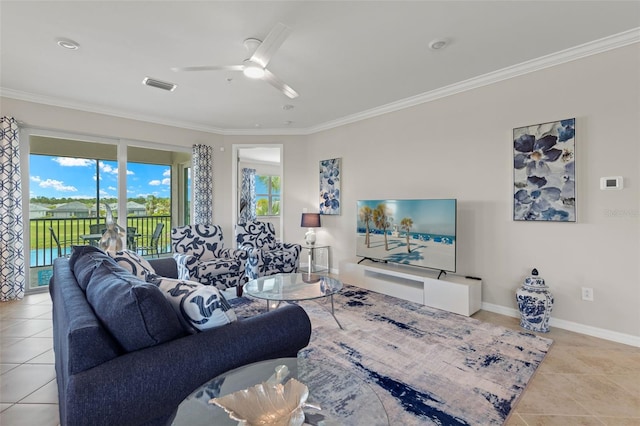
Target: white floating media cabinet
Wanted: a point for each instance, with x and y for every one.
(453, 293)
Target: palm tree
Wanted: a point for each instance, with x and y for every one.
(366, 214)
(382, 222)
(405, 224)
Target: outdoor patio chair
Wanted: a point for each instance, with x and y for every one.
(153, 241)
(55, 239)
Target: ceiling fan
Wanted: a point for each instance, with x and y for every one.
(256, 66)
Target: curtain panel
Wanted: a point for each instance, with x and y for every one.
(12, 265)
(202, 163)
(248, 196)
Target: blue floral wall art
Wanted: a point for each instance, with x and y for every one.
(330, 186)
(544, 172)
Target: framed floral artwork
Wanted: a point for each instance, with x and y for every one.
(544, 172)
(330, 186)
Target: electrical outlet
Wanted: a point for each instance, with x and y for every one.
(587, 294)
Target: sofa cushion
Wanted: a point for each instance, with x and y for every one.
(136, 313)
(84, 261)
(200, 307)
(133, 262)
(78, 251)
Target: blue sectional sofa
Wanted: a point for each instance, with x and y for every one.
(140, 371)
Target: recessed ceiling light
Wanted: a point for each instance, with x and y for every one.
(67, 44)
(438, 43)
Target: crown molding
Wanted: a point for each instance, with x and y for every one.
(66, 103)
(574, 53)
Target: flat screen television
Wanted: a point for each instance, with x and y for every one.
(411, 232)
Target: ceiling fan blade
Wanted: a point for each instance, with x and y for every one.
(279, 84)
(210, 68)
(271, 44)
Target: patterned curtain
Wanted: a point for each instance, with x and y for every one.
(248, 196)
(12, 278)
(202, 161)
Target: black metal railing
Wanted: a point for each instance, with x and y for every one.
(70, 232)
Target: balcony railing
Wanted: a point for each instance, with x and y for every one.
(70, 231)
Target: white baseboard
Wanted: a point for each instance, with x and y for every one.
(601, 333)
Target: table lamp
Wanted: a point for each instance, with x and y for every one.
(310, 220)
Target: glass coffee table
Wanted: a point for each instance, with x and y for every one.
(294, 288)
(344, 399)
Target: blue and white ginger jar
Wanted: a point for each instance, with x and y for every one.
(535, 303)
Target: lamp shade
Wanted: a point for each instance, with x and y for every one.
(310, 220)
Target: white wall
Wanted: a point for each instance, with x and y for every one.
(461, 147)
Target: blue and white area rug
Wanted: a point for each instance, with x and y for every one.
(428, 367)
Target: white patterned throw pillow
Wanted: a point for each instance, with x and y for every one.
(199, 307)
(133, 262)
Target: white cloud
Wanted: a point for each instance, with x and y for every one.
(74, 162)
(107, 168)
(36, 179)
(57, 185)
(112, 188)
(167, 173)
(157, 182)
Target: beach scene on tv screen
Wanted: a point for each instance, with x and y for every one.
(411, 232)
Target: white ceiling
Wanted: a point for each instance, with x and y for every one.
(347, 60)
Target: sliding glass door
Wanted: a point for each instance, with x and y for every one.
(72, 183)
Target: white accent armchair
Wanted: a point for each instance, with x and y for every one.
(266, 256)
(200, 254)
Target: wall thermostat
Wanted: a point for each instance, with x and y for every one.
(613, 182)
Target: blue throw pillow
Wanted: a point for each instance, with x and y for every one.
(84, 262)
(200, 307)
(136, 313)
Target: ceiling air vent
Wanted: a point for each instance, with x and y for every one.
(159, 84)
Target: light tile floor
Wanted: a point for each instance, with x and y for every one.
(583, 380)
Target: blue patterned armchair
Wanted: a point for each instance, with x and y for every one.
(266, 255)
(200, 254)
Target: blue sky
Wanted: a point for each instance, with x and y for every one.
(429, 215)
(76, 178)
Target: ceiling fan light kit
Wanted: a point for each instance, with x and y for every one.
(252, 70)
(256, 66)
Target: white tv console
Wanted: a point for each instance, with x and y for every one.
(453, 293)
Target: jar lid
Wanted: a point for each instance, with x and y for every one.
(534, 280)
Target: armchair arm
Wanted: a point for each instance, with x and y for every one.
(147, 385)
(254, 262)
(294, 249)
(187, 265)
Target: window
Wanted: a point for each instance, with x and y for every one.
(267, 195)
(70, 181)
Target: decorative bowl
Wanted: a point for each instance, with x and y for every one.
(267, 404)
